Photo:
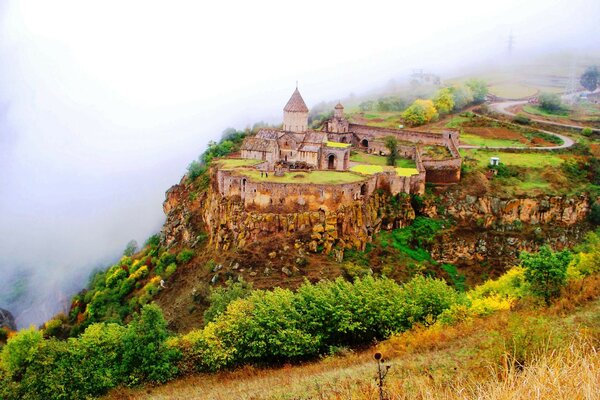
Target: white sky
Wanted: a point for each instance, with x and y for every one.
(104, 103)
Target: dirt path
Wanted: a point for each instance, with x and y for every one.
(502, 108)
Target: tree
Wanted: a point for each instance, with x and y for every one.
(221, 297)
(478, 88)
(590, 78)
(546, 271)
(420, 112)
(550, 102)
(462, 96)
(391, 143)
(444, 101)
(131, 248)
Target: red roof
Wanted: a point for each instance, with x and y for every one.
(296, 103)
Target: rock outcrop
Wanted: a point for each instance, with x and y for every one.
(485, 229)
(7, 320)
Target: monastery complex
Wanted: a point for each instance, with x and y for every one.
(296, 167)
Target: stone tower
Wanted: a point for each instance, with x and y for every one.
(338, 111)
(295, 114)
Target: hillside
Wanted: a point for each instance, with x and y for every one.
(522, 354)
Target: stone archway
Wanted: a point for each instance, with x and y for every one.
(344, 140)
(364, 143)
(363, 189)
(331, 161)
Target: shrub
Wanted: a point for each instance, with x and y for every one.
(521, 119)
(546, 271)
(20, 351)
(221, 297)
(587, 131)
(550, 102)
(145, 354)
(170, 270)
(3, 335)
(420, 112)
(185, 255)
(153, 240)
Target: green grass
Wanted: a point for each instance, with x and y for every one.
(374, 169)
(367, 169)
(407, 171)
(374, 159)
(537, 110)
(338, 145)
(476, 140)
(315, 177)
(520, 159)
(456, 122)
(232, 163)
(512, 90)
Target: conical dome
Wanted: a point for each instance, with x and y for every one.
(296, 103)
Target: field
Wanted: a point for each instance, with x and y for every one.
(373, 159)
(520, 159)
(477, 140)
(376, 118)
(512, 90)
(374, 169)
(581, 112)
(233, 163)
(315, 177)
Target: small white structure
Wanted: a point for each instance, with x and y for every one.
(494, 161)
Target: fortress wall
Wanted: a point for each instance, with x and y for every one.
(429, 138)
(291, 197)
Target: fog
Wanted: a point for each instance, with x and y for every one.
(103, 104)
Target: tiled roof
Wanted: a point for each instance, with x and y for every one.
(339, 106)
(270, 134)
(311, 148)
(258, 144)
(315, 137)
(296, 103)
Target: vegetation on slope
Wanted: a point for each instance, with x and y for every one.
(272, 327)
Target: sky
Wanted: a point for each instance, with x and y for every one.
(103, 104)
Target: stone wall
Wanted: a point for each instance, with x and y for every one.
(295, 121)
(291, 197)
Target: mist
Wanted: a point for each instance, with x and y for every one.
(104, 104)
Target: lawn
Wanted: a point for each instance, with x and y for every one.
(338, 145)
(373, 159)
(391, 119)
(374, 169)
(512, 90)
(521, 159)
(476, 140)
(232, 163)
(314, 177)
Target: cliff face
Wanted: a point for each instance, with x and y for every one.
(485, 230)
(229, 224)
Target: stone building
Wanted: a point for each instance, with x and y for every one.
(295, 146)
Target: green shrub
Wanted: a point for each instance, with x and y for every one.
(145, 356)
(546, 271)
(170, 270)
(221, 297)
(185, 255)
(587, 131)
(521, 119)
(20, 351)
(153, 241)
(3, 335)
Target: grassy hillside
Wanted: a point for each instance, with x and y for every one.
(529, 353)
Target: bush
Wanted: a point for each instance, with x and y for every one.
(521, 119)
(546, 271)
(153, 240)
(221, 297)
(594, 216)
(420, 112)
(145, 354)
(185, 255)
(550, 102)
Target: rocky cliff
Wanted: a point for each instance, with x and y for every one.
(484, 229)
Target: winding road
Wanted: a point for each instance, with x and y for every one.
(502, 108)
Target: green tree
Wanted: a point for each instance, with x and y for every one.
(546, 271)
(462, 96)
(443, 101)
(590, 78)
(420, 112)
(391, 143)
(550, 102)
(478, 88)
(221, 297)
(145, 355)
(131, 248)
